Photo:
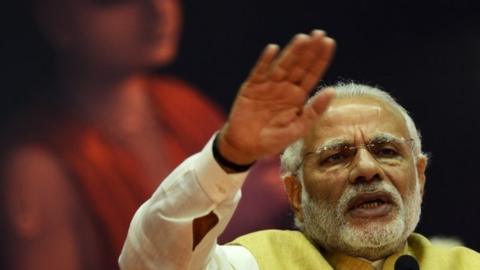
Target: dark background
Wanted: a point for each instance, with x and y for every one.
(427, 54)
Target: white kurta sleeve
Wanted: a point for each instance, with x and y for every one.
(161, 232)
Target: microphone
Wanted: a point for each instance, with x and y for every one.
(406, 262)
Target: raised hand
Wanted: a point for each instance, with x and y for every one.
(269, 111)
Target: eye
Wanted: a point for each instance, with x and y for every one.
(335, 158)
(386, 151)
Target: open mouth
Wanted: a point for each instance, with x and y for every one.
(370, 205)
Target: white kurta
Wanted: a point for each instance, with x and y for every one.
(161, 234)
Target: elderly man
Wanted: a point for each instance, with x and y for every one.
(353, 170)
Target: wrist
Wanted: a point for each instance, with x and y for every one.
(224, 155)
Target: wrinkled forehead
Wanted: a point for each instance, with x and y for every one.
(357, 120)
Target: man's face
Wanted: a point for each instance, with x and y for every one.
(363, 184)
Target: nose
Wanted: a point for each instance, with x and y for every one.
(365, 168)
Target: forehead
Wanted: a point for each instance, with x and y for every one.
(354, 119)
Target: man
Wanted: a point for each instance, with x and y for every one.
(354, 173)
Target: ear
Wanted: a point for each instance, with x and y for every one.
(294, 192)
(422, 162)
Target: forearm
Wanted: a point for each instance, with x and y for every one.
(161, 233)
(268, 114)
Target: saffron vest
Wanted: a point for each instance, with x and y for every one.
(277, 250)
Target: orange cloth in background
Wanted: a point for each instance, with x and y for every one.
(110, 182)
(106, 184)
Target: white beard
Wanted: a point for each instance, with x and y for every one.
(327, 227)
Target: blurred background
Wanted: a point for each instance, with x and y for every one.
(426, 53)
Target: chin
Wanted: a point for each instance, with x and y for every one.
(374, 253)
(368, 244)
(164, 56)
(369, 239)
(386, 233)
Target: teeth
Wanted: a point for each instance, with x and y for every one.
(369, 205)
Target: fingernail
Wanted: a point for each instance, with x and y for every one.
(301, 36)
(319, 32)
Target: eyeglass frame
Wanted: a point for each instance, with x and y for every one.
(337, 143)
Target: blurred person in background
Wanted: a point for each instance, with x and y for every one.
(103, 132)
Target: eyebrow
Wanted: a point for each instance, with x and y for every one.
(335, 143)
(386, 137)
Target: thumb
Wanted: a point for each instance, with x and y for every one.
(319, 103)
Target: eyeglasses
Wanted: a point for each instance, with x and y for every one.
(337, 154)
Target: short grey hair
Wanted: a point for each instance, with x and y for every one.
(292, 156)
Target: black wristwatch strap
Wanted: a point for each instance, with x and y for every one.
(225, 162)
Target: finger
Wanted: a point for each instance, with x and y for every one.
(288, 57)
(300, 121)
(261, 68)
(312, 110)
(318, 104)
(307, 56)
(320, 65)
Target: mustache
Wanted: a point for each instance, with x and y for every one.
(352, 191)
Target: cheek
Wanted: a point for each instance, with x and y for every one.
(117, 37)
(404, 179)
(169, 27)
(113, 29)
(326, 186)
(107, 24)
(172, 13)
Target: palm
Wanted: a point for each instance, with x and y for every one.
(269, 111)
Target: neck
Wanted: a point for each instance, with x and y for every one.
(106, 99)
